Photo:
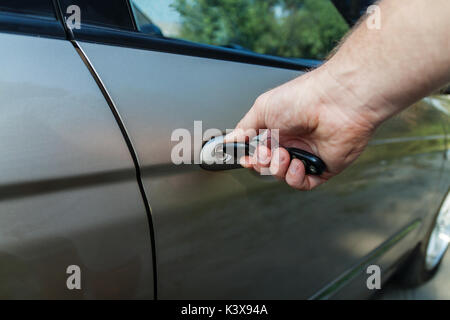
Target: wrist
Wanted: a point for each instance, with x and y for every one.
(336, 87)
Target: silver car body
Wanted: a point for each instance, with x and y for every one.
(87, 180)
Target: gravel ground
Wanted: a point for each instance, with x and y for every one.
(438, 288)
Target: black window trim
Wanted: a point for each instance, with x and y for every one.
(137, 40)
(129, 17)
(131, 13)
(31, 25)
(45, 9)
(20, 23)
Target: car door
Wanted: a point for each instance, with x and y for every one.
(236, 234)
(73, 223)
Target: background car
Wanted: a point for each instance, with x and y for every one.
(87, 177)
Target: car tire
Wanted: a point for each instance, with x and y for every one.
(426, 258)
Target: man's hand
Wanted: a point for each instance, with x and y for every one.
(333, 111)
(308, 118)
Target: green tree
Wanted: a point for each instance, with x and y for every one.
(290, 28)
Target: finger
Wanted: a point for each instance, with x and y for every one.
(254, 118)
(314, 181)
(257, 168)
(279, 163)
(295, 175)
(262, 156)
(296, 178)
(240, 135)
(246, 162)
(250, 123)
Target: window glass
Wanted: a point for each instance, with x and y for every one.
(109, 13)
(287, 28)
(31, 7)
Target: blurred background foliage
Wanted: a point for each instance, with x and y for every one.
(288, 28)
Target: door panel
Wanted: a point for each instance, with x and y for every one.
(68, 190)
(235, 234)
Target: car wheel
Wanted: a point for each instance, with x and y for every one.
(427, 257)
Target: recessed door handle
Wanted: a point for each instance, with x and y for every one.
(217, 155)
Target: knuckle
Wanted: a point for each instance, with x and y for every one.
(260, 99)
(292, 183)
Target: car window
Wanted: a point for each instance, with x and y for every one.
(286, 28)
(113, 13)
(43, 8)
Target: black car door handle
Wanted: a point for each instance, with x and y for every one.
(217, 155)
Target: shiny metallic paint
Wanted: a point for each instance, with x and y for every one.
(239, 235)
(68, 186)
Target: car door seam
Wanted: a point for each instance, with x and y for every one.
(131, 149)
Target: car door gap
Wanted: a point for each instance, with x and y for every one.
(131, 149)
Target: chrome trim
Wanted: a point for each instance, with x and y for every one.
(406, 139)
(345, 278)
(440, 236)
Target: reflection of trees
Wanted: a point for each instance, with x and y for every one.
(291, 28)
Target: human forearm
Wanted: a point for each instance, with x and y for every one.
(387, 69)
(334, 110)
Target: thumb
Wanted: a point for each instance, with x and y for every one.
(249, 125)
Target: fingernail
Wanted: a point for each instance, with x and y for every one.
(293, 168)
